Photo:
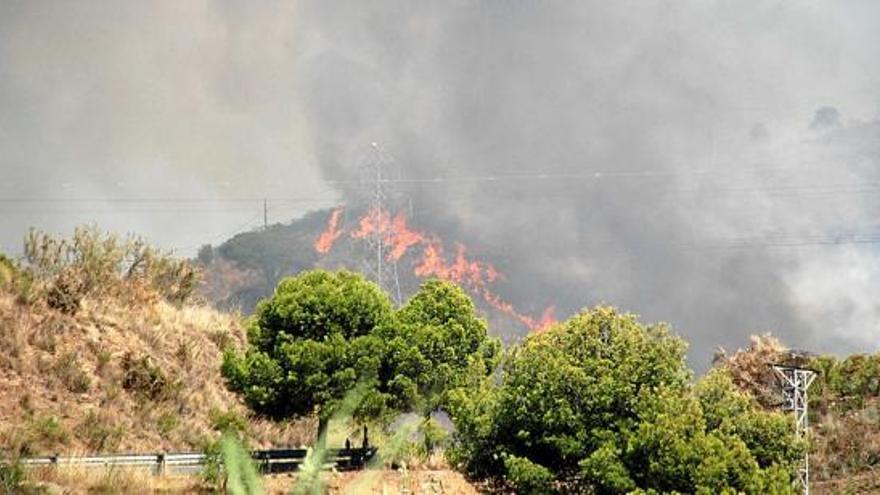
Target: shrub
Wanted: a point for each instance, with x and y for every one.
(93, 263)
(143, 378)
(13, 278)
(212, 472)
(166, 423)
(434, 436)
(99, 432)
(604, 404)
(228, 421)
(67, 368)
(527, 477)
(12, 477)
(46, 431)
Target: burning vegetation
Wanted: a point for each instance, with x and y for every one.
(430, 260)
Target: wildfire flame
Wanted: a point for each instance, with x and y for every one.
(331, 233)
(399, 238)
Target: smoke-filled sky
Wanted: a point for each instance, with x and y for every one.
(713, 164)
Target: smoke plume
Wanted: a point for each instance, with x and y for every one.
(681, 161)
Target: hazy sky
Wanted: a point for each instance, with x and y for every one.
(671, 157)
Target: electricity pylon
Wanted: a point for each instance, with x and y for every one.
(376, 190)
(795, 382)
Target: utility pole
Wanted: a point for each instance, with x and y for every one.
(376, 190)
(795, 382)
(265, 214)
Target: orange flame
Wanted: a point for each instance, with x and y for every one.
(331, 233)
(396, 234)
(403, 237)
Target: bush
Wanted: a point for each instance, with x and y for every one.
(604, 404)
(527, 477)
(143, 378)
(13, 278)
(41, 433)
(166, 423)
(99, 432)
(12, 477)
(68, 369)
(434, 436)
(93, 263)
(228, 421)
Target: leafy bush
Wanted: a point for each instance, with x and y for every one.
(310, 344)
(228, 421)
(437, 341)
(12, 477)
(43, 432)
(605, 405)
(527, 477)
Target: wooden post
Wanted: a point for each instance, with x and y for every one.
(160, 464)
(366, 443)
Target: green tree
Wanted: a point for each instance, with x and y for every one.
(606, 404)
(323, 333)
(437, 341)
(310, 344)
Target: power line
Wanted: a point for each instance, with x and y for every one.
(279, 199)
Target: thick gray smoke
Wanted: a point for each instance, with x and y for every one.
(713, 164)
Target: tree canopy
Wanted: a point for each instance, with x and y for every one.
(438, 342)
(324, 333)
(605, 403)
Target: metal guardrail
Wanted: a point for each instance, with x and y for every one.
(267, 461)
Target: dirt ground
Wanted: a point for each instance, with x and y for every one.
(385, 482)
(420, 482)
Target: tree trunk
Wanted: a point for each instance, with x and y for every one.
(321, 444)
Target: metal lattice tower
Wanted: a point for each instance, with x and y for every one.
(795, 382)
(376, 190)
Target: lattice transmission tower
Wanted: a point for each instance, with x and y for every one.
(376, 193)
(795, 382)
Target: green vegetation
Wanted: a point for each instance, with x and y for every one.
(603, 403)
(323, 333)
(600, 403)
(310, 344)
(12, 477)
(436, 344)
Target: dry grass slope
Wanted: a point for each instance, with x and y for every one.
(131, 365)
(116, 378)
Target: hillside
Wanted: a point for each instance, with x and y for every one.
(128, 369)
(844, 409)
(246, 268)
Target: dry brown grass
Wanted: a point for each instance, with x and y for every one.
(751, 368)
(73, 373)
(142, 481)
(111, 481)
